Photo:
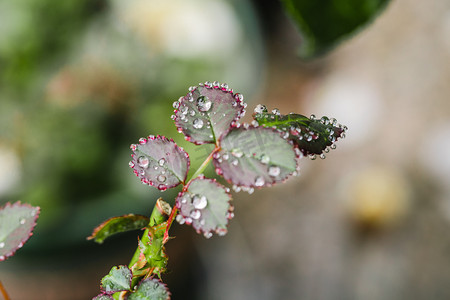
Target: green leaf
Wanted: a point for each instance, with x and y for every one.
(312, 136)
(150, 289)
(118, 224)
(206, 113)
(255, 157)
(206, 205)
(17, 222)
(159, 162)
(323, 24)
(118, 280)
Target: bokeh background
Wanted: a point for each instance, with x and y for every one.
(81, 80)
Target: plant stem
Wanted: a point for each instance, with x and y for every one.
(159, 215)
(203, 165)
(3, 291)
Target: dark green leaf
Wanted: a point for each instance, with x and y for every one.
(312, 136)
(206, 205)
(205, 114)
(118, 279)
(159, 162)
(118, 224)
(324, 23)
(17, 222)
(255, 157)
(150, 289)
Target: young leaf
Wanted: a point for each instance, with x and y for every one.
(311, 135)
(255, 157)
(324, 24)
(150, 289)
(206, 205)
(205, 114)
(17, 222)
(103, 296)
(159, 162)
(118, 279)
(116, 225)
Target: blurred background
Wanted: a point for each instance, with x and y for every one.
(81, 80)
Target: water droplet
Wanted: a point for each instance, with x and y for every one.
(180, 219)
(221, 231)
(255, 123)
(131, 164)
(236, 188)
(208, 235)
(286, 135)
(235, 162)
(204, 104)
(312, 156)
(161, 162)
(133, 147)
(333, 146)
(198, 123)
(22, 221)
(265, 159)
(199, 202)
(322, 156)
(276, 111)
(184, 110)
(239, 97)
(237, 152)
(162, 187)
(312, 117)
(192, 88)
(142, 141)
(250, 190)
(259, 181)
(143, 162)
(224, 86)
(216, 84)
(274, 171)
(161, 178)
(195, 214)
(176, 104)
(2, 244)
(225, 156)
(192, 113)
(260, 108)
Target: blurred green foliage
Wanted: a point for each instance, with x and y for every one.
(325, 23)
(82, 80)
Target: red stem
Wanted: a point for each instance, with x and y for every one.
(3, 291)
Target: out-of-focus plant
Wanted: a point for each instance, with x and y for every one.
(248, 156)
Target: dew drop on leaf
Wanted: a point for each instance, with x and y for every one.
(265, 159)
(204, 104)
(22, 221)
(200, 202)
(234, 162)
(259, 181)
(2, 244)
(161, 162)
(195, 214)
(143, 162)
(260, 108)
(198, 124)
(237, 152)
(274, 171)
(161, 178)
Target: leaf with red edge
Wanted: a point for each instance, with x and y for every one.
(206, 113)
(312, 136)
(118, 280)
(150, 289)
(17, 222)
(118, 224)
(159, 162)
(103, 296)
(255, 157)
(206, 205)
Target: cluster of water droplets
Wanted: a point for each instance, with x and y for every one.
(197, 111)
(151, 171)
